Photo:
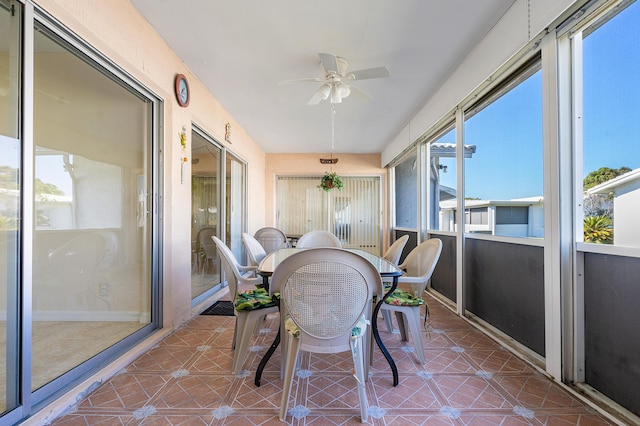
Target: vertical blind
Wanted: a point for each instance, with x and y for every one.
(352, 213)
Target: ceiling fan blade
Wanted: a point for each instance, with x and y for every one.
(320, 95)
(379, 72)
(359, 93)
(329, 62)
(299, 80)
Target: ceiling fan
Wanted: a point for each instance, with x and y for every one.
(335, 87)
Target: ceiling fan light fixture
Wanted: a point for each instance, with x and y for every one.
(344, 90)
(334, 89)
(325, 91)
(336, 97)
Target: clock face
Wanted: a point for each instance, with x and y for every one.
(182, 90)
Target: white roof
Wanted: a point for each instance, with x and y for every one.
(612, 184)
(451, 204)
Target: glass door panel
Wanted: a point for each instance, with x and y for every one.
(92, 237)
(352, 214)
(235, 204)
(205, 214)
(10, 170)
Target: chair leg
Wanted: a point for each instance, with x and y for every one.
(360, 375)
(235, 334)
(386, 315)
(413, 320)
(244, 331)
(284, 344)
(293, 347)
(402, 326)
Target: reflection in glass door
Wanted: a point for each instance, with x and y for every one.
(10, 172)
(92, 257)
(205, 215)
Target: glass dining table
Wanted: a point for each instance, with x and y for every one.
(385, 268)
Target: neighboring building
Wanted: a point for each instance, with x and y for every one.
(441, 192)
(626, 202)
(522, 217)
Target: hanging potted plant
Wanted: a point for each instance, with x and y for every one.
(330, 181)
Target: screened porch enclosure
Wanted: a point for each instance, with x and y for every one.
(352, 213)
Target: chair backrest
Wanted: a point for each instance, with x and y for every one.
(271, 239)
(420, 263)
(230, 267)
(394, 252)
(325, 291)
(255, 251)
(206, 243)
(318, 238)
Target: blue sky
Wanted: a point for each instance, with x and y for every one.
(508, 133)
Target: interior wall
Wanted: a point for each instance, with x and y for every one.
(523, 23)
(116, 29)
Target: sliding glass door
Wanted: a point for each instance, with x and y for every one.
(205, 213)
(235, 203)
(10, 200)
(79, 235)
(92, 206)
(352, 213)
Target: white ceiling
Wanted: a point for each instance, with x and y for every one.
(242, 49)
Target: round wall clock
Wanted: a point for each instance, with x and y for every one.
(182, 90)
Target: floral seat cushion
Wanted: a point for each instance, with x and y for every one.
(255, 299)
(403, 298)
(357, 331)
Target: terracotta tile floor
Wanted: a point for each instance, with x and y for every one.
(468, 380)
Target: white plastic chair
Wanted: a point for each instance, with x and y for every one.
(246, 320)
(393, 254)
(255, 251)
(318, 238)
(271, 239)
(419, 265)
(326, 298)
(394, 251)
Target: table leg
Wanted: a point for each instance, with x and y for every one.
(376, 335)
(265, 358)
(265, 282)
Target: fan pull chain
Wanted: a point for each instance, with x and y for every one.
(333, 119)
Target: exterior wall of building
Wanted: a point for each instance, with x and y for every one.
(626, 220)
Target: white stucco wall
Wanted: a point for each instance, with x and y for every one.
(626, 221)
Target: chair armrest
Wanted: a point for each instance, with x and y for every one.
(410, 280)
(248, 268)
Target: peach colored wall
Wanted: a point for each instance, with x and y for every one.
(116, 29)
(309, 165)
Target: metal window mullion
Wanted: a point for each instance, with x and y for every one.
(460, 241)
(27, 215)
(572, 54)
(554, 178)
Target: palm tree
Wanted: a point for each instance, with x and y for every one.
(598, 229)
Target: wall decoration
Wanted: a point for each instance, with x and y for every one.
(183, 155)
(227, 132)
